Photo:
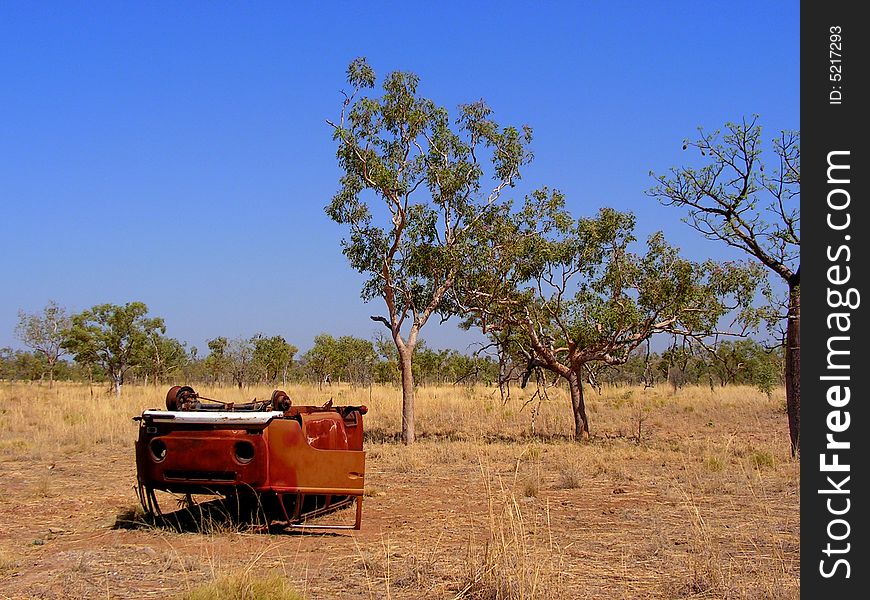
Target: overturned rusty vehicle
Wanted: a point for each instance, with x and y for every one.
(294, 463)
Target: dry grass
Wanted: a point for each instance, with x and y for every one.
(8, 563)
(683, 495)
(243, 587)
(517, 560)
(71, 418)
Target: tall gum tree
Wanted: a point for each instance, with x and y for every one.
(416, 186)
(570, 294)
(731, 198)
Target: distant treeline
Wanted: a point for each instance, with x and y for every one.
(263, 360)
(120, 344)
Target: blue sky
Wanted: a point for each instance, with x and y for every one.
(177, 153)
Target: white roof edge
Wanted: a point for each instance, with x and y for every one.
(211, 417)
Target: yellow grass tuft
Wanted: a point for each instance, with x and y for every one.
(8, 563)
(243, 586)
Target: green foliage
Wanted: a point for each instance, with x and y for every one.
(245, 360)
(163, 356)
(322, 359)
(239, 354)
(730, 362)
(416, 186)
(17, 364)
(112, 337)
(566, 294)
(44, 333)
(572, 292)
(387, 365)
(347, 358)
(763, 367)
(359, 361)
(217, 363)
(746, 362)
(356, 359)
(435, 367)
(273, 355)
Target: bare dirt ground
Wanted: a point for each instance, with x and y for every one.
(702, 502)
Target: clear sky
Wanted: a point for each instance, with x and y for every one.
(177, 153)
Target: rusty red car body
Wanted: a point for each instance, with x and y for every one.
(295, 462)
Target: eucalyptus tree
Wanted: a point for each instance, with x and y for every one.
(239, 354)
(113, 337)
(44, 333)
(322, 359)
(21, 364)
(163, 356)
(731, 198)
(356, 359)
(748, 362)
(273, 355)
(217, 363)
(414, 189)
(568, 294)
